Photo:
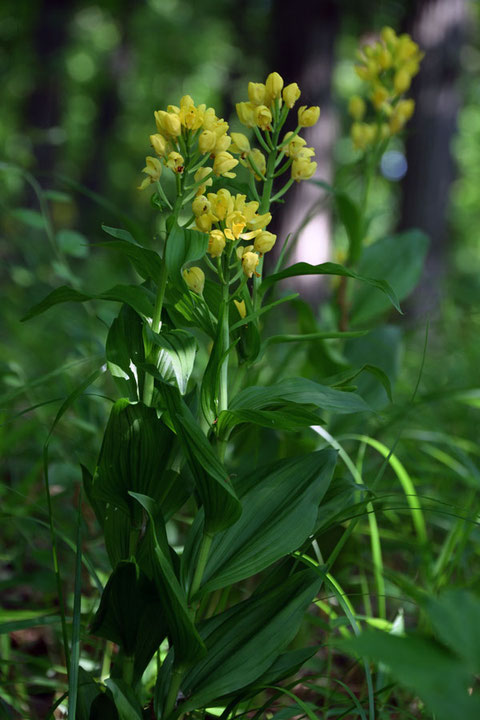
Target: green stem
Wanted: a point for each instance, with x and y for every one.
(281, 192)
(203, 552)
(261, 140)
(156, 325)
(171, 700)
(127, 668)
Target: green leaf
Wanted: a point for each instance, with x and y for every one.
(177, 355)
(351, 217)
(29, 217)
(424, 667)
(399, 261)
(331, 269)
(135, 453)
(181, 629)
(289, 417)
(131, 614)
(380, 355)
(146, 262)
(72, 243)
(298, 390)
(280, 508)
(137, 296)
(246, 640)
(183, 246)
(455, 616)
(222, 507)
(125, 700)
(125, 352)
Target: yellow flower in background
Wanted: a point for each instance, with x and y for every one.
(250, 261)
(290, 94)
(175, 162)
(153, 170)
(259, 161)
(159, 144)
(207, 141)
(401, 114)
(224, 162)
(263, 117)
(195, 279)
(357, 107)
(363, 135)
(240, 143)
(303, 168)
(308, 116)
(256, 93)
(402, 81)
(240, 305)
(264, 242)
(216, 243)
(203, 173)
(273, 87)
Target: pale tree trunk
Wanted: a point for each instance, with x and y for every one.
(305, 36)
(438, 26)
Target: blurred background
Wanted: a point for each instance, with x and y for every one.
(79, 84)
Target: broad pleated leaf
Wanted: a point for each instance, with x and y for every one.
(329, 268)
(288, 417)
(244, 641)
(221, 505)
(137, 296)
(146, 262)
(135, 452)
(280, 509)
(183, 246)
(177, 355)
(181, 629)
(125, 352)
(125, 700)
(298, 390)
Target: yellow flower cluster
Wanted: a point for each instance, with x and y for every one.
(226, 217)
(264, 112)
(185, 133)
(387, 67)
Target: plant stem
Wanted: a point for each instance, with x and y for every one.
(203, 551)
(127, 669)
(171, 700)
(156, 325)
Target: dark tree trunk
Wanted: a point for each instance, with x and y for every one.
(438, 26)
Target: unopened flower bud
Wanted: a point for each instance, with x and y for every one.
(195, 279)
(256, 93)
(206, 141)
(159, 143)
(308, 116)
(264, 242)
(290, 94)
(250, 261)
(216, 243)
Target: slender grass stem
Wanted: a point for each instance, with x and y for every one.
(203, 552)
(171, 700)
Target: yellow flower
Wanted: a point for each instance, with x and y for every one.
(153, 170)
(212, 122)
(290, 94)
(223, 143)
(221, 204)
(273, 87)
(363, 135)
(175, 162)
(303, 168)
(294, 146)
(401, 81)
(402, 112)
(308, 116)
(259, 160)
(245, 112)
(356, 107)
(204, 222)
(203, 173)
(264, 242)
(256, 93)
(168, 123)
(263, 117)
(223, 163)
(250, 261)
(235, 223)
(240, 305)
(216, 243)
(206, 141)
(379, 96)
(159, 143)
(240, 143)
(195, 279)
(201, 205)
(258, 222)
